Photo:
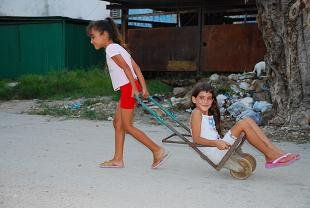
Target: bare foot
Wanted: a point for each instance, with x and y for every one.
(159, 157)
(111, 164)
(288, 157)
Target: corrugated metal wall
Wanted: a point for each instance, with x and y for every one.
(41, 47)
(165, 49)
(9, 51)
(231, 48)
(224, 48)
(79, 51)
(31, 48)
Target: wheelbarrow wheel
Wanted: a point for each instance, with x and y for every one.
(251, 159)
(245, 173)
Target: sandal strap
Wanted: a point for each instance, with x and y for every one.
(280, 158)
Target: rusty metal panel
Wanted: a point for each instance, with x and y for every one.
(224, 48)
(231, 48)
(165, 49)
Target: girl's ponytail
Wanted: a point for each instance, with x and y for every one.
(115, 34)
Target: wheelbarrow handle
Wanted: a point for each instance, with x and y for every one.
(170, 114)
(151, 111)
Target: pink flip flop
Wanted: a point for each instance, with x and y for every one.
(277, 162)
(297, 156)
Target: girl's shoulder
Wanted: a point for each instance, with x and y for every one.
(196, 114)
(113, 45)
(196, 118)
(116, 47)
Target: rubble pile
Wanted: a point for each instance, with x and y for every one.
(238, 96)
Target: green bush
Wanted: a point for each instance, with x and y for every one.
(71, 84)
(32, 86)
(156, 86)
(64, 84)
(53, 111)
(100, 84)
(6, 92)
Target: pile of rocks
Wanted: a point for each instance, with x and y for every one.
(238, 96)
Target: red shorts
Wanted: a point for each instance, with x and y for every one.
(126, 101)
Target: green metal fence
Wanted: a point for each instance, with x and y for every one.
(41, 45)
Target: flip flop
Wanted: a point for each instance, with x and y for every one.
(162, 160)
(297, 155)
(277, 162)
(110, 164)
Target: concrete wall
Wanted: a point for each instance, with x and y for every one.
(81, 9)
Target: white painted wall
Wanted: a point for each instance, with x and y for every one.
(80, 9)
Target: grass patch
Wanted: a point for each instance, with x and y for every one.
(89, 108)
(6, 92)
(158, 87)
(54, 111)
(71, 84)
(92, 115)
(60, 85)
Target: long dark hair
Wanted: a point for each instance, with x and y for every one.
(110, 27)
(214, 110)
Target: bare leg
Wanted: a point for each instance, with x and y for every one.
(258, 139)
(262, 135)
(127, 124)
(119, 139)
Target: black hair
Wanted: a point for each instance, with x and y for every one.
(110, 27)
(214, 110)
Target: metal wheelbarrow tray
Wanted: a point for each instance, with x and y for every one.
(240, 164)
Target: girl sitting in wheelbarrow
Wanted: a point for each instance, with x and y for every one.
(206, 130)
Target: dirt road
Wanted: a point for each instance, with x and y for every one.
(52, 163)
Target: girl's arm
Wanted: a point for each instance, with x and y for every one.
(196, 129)
(118, 59)
(140, 76)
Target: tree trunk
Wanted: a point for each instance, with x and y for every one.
(285, 26)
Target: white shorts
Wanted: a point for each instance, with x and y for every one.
(215, 154)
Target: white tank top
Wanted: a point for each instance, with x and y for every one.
(208, 128)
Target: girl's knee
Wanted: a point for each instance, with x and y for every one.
(244, 123)
(251, 122)
(240, 123)
(127, 127)
(117, 124)
(247, 120)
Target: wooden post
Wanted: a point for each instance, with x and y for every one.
(124, 26)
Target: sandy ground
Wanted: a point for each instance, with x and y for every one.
(51, 162)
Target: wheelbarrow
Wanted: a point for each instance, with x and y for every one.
(241, 165)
